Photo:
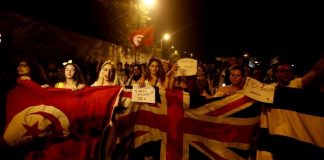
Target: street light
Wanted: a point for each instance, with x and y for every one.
(149, 3)
(246, 55)
(166, 37)
(171, 48)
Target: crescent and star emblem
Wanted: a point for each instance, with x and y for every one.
(137, 39)
(36, 121)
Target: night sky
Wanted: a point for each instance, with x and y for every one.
(265, 29)
(202, 27)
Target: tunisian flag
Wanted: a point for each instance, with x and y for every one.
(57, 123)
(142, 37)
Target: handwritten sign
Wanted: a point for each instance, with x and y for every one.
(186, 67)
(258, 91)
(143, 94)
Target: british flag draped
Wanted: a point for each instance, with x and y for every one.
(221, 129)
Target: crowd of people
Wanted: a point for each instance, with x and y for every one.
(210, 81)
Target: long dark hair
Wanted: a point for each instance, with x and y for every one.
(37, 72)
(78, 75)
(160, 74)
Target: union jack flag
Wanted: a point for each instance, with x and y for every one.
(168, 129)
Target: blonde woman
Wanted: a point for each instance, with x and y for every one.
(106, 75)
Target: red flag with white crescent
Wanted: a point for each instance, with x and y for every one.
(71, 122)
(142, 37)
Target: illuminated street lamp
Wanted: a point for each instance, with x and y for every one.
(246, 55)
(149, 3)
(166, 37)
(171, 48)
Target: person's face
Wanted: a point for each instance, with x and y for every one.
(131, 69)
(124, 78)
(143, 68)
(200, 72)
(108, 72)
(284, 74)
(137, 71)
(69, 71)
(23, 68)
(183, 82)
(166, 66)
(154, 68)
(52, 66)
(119, 67)
(236, 76)
(232, 61)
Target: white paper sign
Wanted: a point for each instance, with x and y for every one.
(186, 67)
(258, 91)
(143, 94)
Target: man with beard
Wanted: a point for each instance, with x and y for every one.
(137, 75)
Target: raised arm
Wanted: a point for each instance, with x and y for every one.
(314, 72)
(170, 76)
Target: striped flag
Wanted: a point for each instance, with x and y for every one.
(292, 127)
(221, 129)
